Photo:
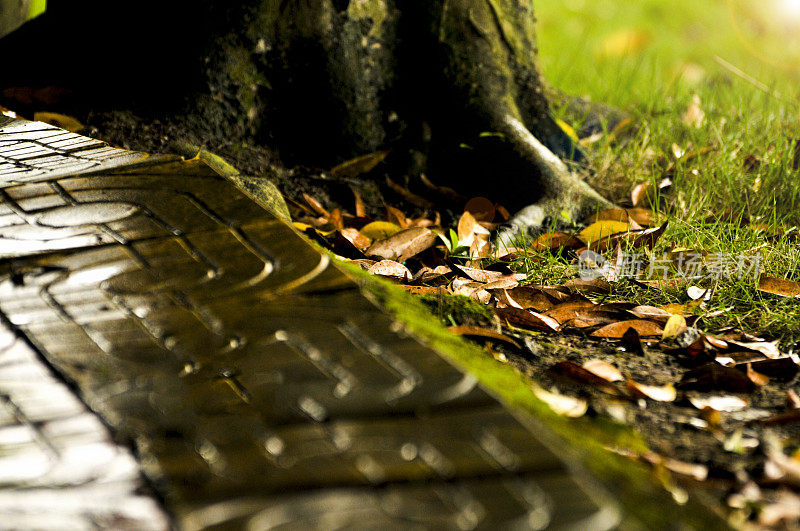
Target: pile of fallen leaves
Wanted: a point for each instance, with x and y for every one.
(717, 371)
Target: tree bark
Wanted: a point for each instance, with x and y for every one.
(450, 84)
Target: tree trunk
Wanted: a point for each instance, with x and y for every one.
(449, 84)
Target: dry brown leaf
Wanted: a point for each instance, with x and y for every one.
(404, 244)
(408, 195)
(725, 403)
(556, 240)
(391, 269)
(652, 313)
(424, 290)
(632, 342)
(642, 216)
(604, 370)
(336, 220)
(360, 241)
(569, 310)
(566, 406)
(361, 210)
(767, 348)
(618, 329)
(359, 165)
(649, 237)
(662, 393)
(779, 286)
(755, 376)
(396, 216)
(792, 400)
(444, 191)
(528, 298)
(641, 193)
(477, 331)
(576, 372)
(481, 209)
(527, 319)
(787, 417)
(715, 377)
(597, 285)
(316, 206)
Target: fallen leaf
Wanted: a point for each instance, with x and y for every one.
(714, 377)
(604, 370)
(632, 342)
(316, 206)
(391, 269)
(569, 310)
(642, 216)
(482, 275)
(336, 220)
(779, 286)
(576, 372)
(379, 230)
(396, 216)
(597, 285)
(618, 329)
(787, 417)
(59, 120)
(444, 191)
(477, 331)
(697, 293)
(675, 325)
(652, 313)
(404, 244)
(566, 406)
(408, 195)
(649, 237)
(359, 165)
(602, 229)
(556, 240)
(356, 238)
(725, 403)
(527, 319)
(481, 209)
(755, 376)
(792, 400)
(361, 210)
(528, 298)
(665, 393)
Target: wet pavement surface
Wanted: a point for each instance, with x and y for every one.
(255, 384)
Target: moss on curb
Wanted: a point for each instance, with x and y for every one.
(643, 494)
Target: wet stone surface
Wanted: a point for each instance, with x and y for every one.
(257, 385)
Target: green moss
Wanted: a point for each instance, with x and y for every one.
(457, 310)
(638, 489)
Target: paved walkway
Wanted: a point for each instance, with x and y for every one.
(256, 386)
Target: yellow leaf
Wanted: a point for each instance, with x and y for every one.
(601, 229)
(675, 325)
(568, 129)
(359, 165)
(380, 230)
(59, 120)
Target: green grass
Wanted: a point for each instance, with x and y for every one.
(655, 84)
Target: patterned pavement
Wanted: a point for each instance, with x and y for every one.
(235, 377)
